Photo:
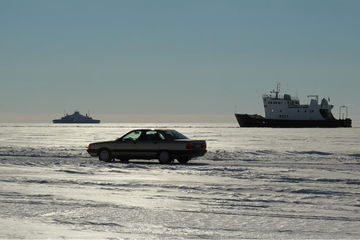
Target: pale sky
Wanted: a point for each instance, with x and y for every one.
(173, 57)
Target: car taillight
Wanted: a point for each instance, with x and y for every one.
(204, 145)
(89, 146)
(189, 146)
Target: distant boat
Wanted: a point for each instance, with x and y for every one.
(76, 117)
(287, 112)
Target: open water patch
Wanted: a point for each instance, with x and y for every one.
(356, 155)
(318, 180)
(75, 172)
(320, 192)
(310, 153)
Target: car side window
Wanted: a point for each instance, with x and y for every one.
(152, 136)
(132, 136)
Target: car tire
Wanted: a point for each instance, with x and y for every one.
(164, 157)
(183, 160)
(105, 155)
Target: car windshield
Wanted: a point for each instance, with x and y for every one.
(132, 136)
(174, 134)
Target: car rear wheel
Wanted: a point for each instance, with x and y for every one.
(164, 157)
(183, 159)
(105, 155)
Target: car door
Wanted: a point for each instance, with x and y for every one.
(126, 146)
(148, 144)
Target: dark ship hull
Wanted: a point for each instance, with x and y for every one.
(76, 117)
(247, 120)
(70, 121)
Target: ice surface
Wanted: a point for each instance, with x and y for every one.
(253, 183)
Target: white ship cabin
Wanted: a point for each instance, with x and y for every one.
(286, 107)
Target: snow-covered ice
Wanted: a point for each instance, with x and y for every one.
(252, 183)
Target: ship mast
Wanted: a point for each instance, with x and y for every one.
(277, 91)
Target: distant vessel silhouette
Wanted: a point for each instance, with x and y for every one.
(76, 117)
(287, 112)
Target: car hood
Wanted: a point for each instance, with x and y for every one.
(188, 140)
(105, 142)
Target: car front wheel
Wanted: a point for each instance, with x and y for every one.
(105, 155)
(164, 157)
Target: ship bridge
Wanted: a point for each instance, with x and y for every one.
(286, 107)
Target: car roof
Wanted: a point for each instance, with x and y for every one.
(152, 129)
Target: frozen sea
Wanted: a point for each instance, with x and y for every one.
(252, 183)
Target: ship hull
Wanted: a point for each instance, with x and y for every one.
(62, 121)
(247, 120)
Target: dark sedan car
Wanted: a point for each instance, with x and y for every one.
(163, 144)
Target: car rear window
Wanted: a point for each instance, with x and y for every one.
(172, 134)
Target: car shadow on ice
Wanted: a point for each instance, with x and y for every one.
(139, 162)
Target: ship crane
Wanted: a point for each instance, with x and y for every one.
(314, 96)
(341, 115)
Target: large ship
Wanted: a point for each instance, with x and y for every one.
(76, 117)
(287, 112)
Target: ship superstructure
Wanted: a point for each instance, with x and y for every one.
(286, 107)
(76, 117)
(286, 111)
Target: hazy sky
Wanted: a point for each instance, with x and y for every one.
(173, 57)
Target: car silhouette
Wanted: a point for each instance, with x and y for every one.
(163, 144)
